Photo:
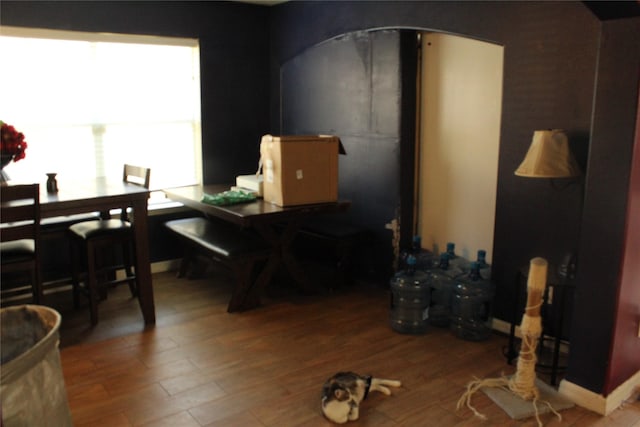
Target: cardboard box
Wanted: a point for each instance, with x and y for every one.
(300, 169)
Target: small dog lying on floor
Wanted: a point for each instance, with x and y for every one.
(343, 392)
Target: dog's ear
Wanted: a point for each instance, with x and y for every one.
(340, 394)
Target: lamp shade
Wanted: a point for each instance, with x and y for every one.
(549, 156)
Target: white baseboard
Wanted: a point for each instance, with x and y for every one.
(598, 403)
(156, 267)
(504, 327)
(579, 395)
(162, 266)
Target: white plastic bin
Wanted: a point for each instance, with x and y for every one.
(31, 383)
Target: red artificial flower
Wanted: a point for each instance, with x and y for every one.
(12, 142)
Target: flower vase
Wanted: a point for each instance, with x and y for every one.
(52, 184)
(5, 159)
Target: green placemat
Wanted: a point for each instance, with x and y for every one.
(228, 198)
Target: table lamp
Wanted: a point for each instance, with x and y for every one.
(549, 156)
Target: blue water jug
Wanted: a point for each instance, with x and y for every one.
(410, 300)
(471, 306)
(455, 260)
(442, 280)
(485, 268)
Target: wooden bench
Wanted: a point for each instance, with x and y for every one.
(239, 249)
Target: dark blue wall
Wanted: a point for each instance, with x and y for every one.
(549, 73)
(352, 86)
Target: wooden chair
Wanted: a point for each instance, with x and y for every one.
(20, 240)
(98, 241)
(136, 175)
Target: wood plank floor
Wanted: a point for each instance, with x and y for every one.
(200, 366)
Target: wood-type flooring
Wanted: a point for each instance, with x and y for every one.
(201, 366)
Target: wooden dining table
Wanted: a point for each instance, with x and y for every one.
(276, 224)
(102, 195)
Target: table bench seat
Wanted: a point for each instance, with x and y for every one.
(239, 249)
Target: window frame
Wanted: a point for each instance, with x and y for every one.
(29, 32)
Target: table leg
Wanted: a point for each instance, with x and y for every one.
(281, 254)
(289, 259)
(143, 264)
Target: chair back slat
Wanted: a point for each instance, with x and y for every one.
(20, 212)
(17, 213)
(9, 234)
(137, 175)
(12, 193)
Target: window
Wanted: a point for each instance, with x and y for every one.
(89, 102)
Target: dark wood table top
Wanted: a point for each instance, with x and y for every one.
(251, 213)
(81, 196)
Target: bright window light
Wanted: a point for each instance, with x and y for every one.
(88, 103)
